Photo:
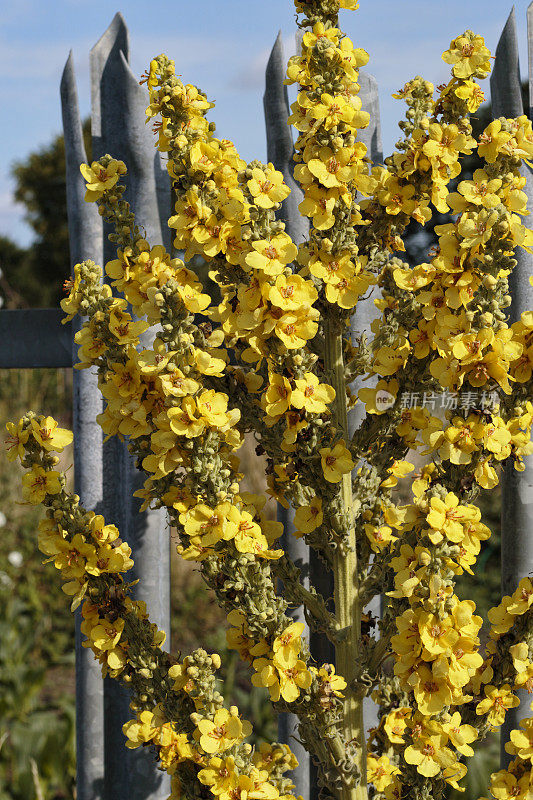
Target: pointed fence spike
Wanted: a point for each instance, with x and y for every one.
(112, 41)
(529, 15)
(280, 147)
(505, 87)
(517, 487)
(280, 150)
(118, 105)
(85, 237)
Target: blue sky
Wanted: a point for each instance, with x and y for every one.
(220, 45)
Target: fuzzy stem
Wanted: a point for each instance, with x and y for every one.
(347, 603)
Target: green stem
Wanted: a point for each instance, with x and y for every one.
(347, 602)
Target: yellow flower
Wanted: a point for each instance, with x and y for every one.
(49, 436)
(429, 756)
(139, 731)
(336, 461)
(219, 775)
(287, 646)
(273, 255)
(481, 191)
(221, 733)
(395, 724)
(297, 327)
(496, 703)
(432, 691)
(468, 55)
(437, 635)
(277, 397)
(461, 736)
(17, 438)
(281, 678)
(312, 395)
(307, 518)
(330, 683)
(472, 93)
(380, 399)
(267, 187)
(99, 179)
(212, 406)
(476, 228)
(332, 168)
(506, 786)
(319, 203)
(445, 143)
(291, 292)
(37, 483)
(521, 743)
(106, 634)
(211, 525)
(380, 771)
(493, 141)
(184, 420)
(379, 536)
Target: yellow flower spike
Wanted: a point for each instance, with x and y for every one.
(336, 461)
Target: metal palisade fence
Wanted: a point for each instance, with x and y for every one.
(105, 476)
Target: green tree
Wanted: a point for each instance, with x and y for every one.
(34, 277)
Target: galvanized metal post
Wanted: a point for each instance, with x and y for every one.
(118, 128)
(85, 238)
(280, 150)
(517, 487)
(366, 312)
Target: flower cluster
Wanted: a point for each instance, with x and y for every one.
(178, 709)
